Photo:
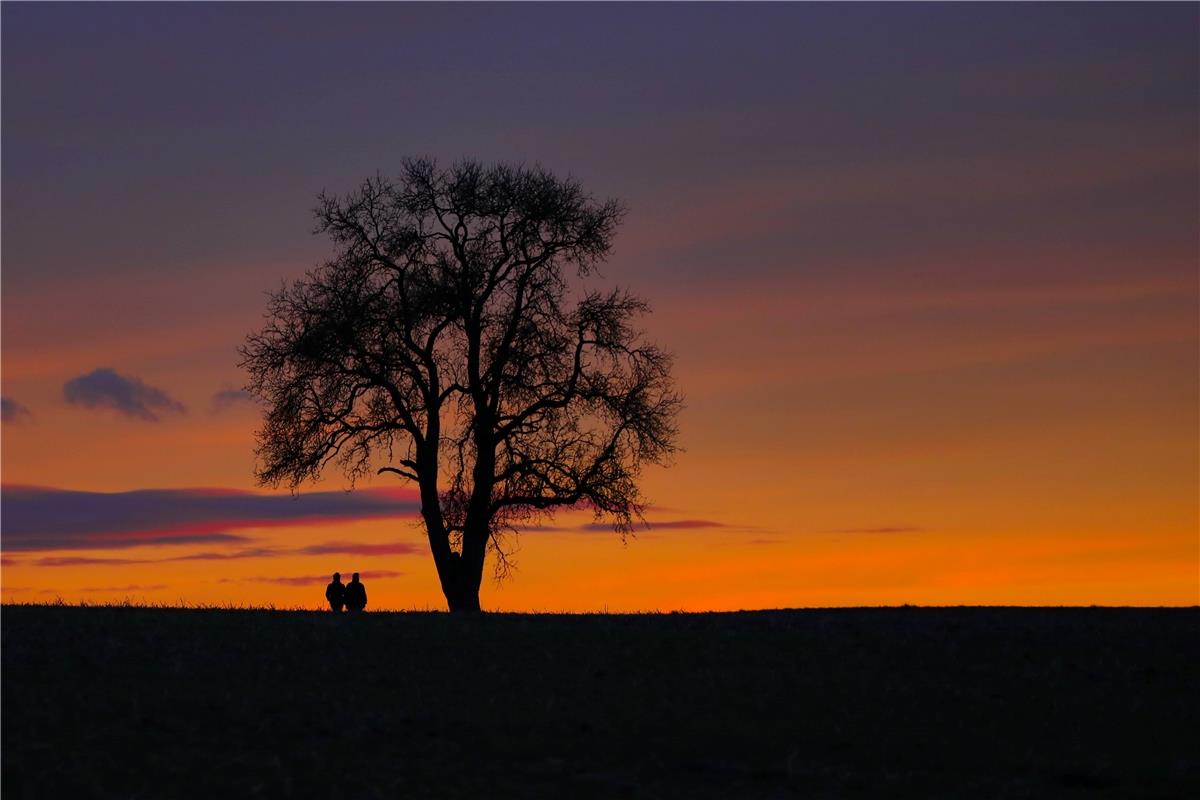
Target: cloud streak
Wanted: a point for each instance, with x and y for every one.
(651, 525)
(886, 529)
(40, 518)
(104, 388)
(359, 549)
(674, 525)
(230, 399)
(11, 411)
(328, 548)
(85, 561)
(133, 587)
(309, 580)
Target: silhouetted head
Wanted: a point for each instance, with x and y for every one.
(355, 578)
(337, 577)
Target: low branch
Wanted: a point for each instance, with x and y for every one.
(401, 472)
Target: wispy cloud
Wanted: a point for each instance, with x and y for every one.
(38, 518)
(104, 388)
(85, 561)
(651, 525)
(683, 524)
(11, 411)
(233, 555)
(885, 529)
(360, 549)
(133, 587)
(329, 548)
(309, 580)
(230, 399)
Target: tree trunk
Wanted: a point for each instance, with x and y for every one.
(460, 584)
(464, 600)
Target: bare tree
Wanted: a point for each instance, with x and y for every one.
(445, 343)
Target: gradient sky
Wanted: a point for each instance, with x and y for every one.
(930, 273)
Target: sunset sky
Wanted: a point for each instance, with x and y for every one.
(929, 273)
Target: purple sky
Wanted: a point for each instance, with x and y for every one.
(929, 272)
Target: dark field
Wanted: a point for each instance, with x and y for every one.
(909, 702)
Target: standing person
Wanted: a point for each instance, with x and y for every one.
(356, 595)
(335, 592)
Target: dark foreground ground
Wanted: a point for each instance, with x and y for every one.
(910, 702)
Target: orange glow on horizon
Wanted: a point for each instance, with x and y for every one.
(1048, 458)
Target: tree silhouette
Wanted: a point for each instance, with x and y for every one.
(446, 343)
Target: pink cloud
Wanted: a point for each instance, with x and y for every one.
(326, 548)
(651, 525)
(43, 518)
(310, 580)
(886, 529)
(133, 587)
(360, 549)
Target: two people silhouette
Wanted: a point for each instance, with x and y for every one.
(352, 595)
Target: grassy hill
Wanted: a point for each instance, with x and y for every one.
(908, 702)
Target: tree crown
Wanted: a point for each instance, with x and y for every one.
(445, 342)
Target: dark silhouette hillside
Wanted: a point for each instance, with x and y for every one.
(921, 703)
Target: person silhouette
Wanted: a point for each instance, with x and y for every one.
(356, 595)
(335, 592)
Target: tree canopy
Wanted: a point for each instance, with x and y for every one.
(452, 340)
